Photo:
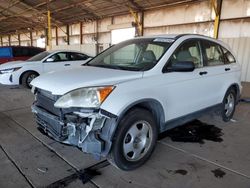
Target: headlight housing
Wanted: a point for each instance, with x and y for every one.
(10, 70)
(84, 97)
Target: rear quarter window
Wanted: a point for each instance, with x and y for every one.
(229, 58)
(78, 56)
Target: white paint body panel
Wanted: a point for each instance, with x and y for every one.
(179, 93)
(62, 82)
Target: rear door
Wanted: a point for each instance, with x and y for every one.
(219, 72)
(56, 62)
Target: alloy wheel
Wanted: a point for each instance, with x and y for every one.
(137, 141)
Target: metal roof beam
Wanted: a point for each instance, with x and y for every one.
(38, 11)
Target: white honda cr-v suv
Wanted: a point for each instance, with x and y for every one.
(116, 105)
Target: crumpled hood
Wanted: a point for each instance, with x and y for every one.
(14, 64)
(62, 82)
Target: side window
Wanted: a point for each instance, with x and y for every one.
(229, 58)
(189, 51)
(78, 56)
(213, 54)
(61, 56)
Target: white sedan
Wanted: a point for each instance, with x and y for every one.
(23, 72)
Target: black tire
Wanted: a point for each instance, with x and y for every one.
(27, 78)
(226, 113)
(136, 118)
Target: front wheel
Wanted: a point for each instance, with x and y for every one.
(27, 78)
(135, 140)
(229, 103)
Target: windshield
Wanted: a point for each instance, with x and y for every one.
(39, 56)
(136, 55)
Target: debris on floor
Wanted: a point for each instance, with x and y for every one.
(218, 173)
(181, 171)
(233, 120)
(42, 169)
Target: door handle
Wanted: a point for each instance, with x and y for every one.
(66, 64)
(202, 73)
(227, 69)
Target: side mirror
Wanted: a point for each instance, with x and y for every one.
(182, 66)
(50, 60)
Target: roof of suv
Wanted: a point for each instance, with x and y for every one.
(176, 36)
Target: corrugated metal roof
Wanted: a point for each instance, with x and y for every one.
(17, 15)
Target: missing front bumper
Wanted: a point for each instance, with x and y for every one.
(92, 132)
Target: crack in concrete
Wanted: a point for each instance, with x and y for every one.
(17, 167)
(204, 159)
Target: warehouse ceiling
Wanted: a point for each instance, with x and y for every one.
(22, 15)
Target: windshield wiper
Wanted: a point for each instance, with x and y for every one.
(106, 66)
(115, 67)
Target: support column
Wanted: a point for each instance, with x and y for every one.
(49, 42)
(97, 38)
(19, 40)
(9, 39)
(67, 32)
(217, 5)
(81, 38)
(142, 23)
(1, 41)
(56, 35)
(31, 39)
(139, 19)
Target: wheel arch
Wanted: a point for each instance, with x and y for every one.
(236, 88)
(21, 76)
(152, 105)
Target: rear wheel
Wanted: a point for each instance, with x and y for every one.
(135, 140)
(27, 78)
(229, 103)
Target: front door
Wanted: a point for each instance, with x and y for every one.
(58, 61)
(185, 91)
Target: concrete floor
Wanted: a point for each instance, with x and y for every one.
(30, 159)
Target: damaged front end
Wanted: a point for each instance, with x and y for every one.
(91, 130)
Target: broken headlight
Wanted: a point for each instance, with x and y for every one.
(84, 97)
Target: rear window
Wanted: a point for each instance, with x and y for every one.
(39, 56)
(5, 52)
(213, 53)
(77, 56)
